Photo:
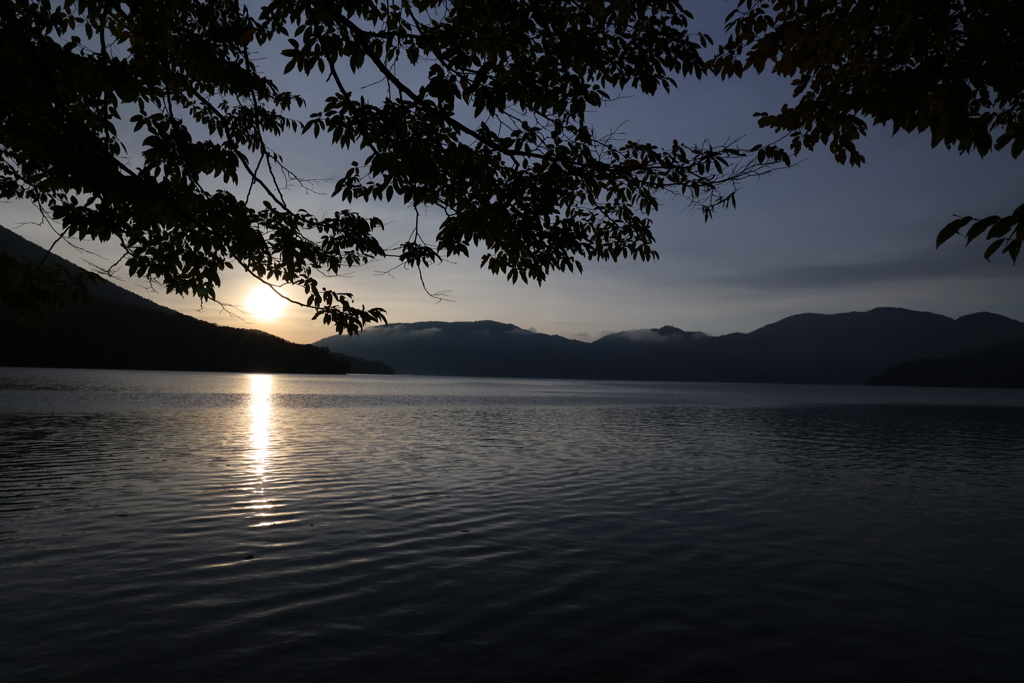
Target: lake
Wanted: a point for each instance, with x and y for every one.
(167, 526)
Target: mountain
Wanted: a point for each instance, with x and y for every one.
(850, 348)
(479, 349)
(123, 330)
(998, 366)
(845, 348)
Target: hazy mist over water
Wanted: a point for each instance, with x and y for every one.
(158, 526)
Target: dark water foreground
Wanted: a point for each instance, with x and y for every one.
(454, 530)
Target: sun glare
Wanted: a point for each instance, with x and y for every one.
(264, 304)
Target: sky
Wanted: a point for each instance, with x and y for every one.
(818, 237)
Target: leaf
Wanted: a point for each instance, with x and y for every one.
(1013, 248)
(993, 248)
(951, 229)
(1017, 147)
(1001, 227)
(978, 228)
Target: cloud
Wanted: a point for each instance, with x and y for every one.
(909, 269)
(644, 336)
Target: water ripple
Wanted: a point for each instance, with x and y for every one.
(168, 525)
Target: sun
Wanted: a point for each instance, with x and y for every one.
(264, 304)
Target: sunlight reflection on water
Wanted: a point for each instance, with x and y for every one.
(261, 389)
(261, 401)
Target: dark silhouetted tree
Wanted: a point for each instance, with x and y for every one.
(953, 68)
(151, 124)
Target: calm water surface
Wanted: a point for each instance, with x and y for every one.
(165, 526)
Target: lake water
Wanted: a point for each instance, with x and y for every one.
(168, 526)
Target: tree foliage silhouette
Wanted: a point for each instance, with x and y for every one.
(152, 123)
(952, 68)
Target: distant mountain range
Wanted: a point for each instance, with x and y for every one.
(881, 346)
(125, 331)
(845, 348)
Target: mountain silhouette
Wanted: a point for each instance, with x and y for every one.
(882, 346)
(480, 349)
(810, 348)
(997, 366)
(126, 331)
